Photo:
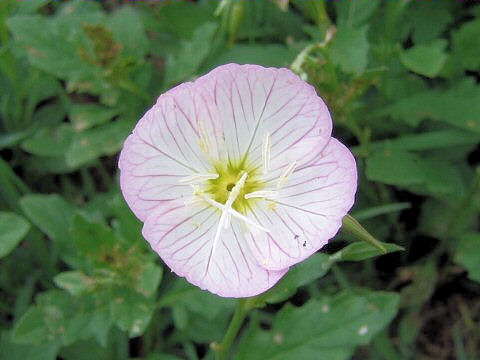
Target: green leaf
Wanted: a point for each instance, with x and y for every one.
(428, 140)
(30, 329)
(359, 251)
(150, 278)
(91, 239)
(52, 215)
(350, 49)
(50, 142)
(45, 321)
(299, 275)
(13, 230)
(425, 59)
(75, 282)
(329, 328)
(126, 24)
(266, 55)
(354, 228)
(190, 56)
(395, 168)
(11, 351)
(466, 45)
(467, 255)
(421, 174)
(131, 311)
(54, 45)
(375, 211)
(355, 13)
(439, 16)
(458, 105)
(85, 116)
(91, 319)
(90, 144)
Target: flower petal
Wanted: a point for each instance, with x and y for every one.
(308, 211)
(253, 101)
(175, 139)
(183, 237)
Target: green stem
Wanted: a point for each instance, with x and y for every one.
(241, 311)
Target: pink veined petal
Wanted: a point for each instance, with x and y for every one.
(166, 146)
(308, 211)
(254, 101)
(183, 237)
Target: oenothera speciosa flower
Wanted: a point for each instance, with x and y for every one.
(236, 177)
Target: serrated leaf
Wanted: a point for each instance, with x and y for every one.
(329, 328)
(13, 229)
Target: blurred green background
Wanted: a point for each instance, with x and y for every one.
(401, 78)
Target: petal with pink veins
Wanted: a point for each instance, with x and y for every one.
(183, 236)
(175, 139)
(308, 210)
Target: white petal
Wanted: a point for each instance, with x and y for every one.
(183, 237)
(308, 210)
(255, 101)
(167, 145)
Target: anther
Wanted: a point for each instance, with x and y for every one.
(266, 153)
(204, 142)
(286, 174)
(197, 178)
(262, 194)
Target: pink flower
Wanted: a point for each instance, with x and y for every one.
(236, 177)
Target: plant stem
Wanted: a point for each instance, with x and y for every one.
(241, 311)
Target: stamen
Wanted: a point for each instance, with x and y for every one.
(248, 221)
(204, 141)
(266, 153)
(286, 173)
(197, 178)
(262, 194)
(232, 212)
(226, 209)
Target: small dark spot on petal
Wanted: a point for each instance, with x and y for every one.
(296, 236)
(230, 186)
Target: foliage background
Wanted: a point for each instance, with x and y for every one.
(77, 281)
